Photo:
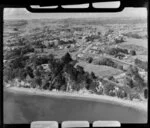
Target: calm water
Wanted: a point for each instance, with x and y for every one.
(24, 108)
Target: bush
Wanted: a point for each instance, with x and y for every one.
(121, 94)
(141, 64)
(112, 93)
(108, 87)
(132, 70)
(119, 40)
(116, 51)
(89, 59)
(138, 81)
(146, 93)
(63, 88)
(133, 52)
(120, 67)
(110, 78)
(40, 60)
(66, 58)
(93, 75)
(128, 81)
(105, 61)
(93, 86)
(10, 74)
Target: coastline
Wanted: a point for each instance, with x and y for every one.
(77, 96)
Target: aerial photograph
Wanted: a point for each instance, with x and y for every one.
(75, 66)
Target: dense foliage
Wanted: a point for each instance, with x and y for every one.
(141, 64)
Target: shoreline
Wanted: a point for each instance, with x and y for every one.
(77, 96)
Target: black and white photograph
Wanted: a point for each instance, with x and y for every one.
(75, 66)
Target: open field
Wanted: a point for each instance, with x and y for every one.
(99, 70)
(139, 42)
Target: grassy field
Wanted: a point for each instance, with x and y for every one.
(100, 70)
(139, 45)
(139, 42)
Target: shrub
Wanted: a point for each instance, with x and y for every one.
(138, 81)
(146, 93)
(141, 64)
(37, 82)
(105, 61)
(93, 86)
(132, 70)
(112, 93)
(89, 59)
(116, 51)
(80, 69)
(66, 58)
(108, 87)
(120, 67)
(119, 40)
(63, 88)
(133, 52)
(110, 78)
(93, 75)
(121, 94)
(128, 81)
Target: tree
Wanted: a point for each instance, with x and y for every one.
(80, 69)
(132, 70)
(93, 75)
(121, 94)
(138, 81)
(29, 71)
(66, 58)
(108, 87)
(21, 74)
(60, 80)
(9, 74)
(111, 78)
(128, 81)
(45, 84)
(89, 59)
(93, 85)
(37, 73)
(141, 64)
(133, 52)
(38, 82)
(120, 67)
(146, 93)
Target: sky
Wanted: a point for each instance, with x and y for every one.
(22, 13)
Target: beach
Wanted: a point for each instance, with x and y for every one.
(34, 104)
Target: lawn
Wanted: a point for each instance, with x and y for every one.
(100, 70)
(139, 45)
(137, 42)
